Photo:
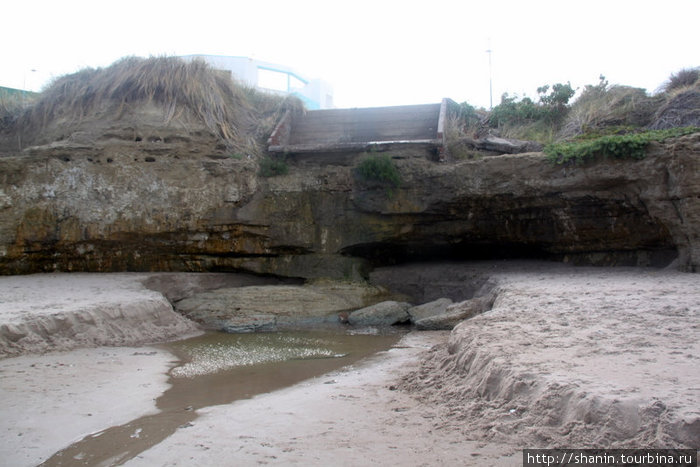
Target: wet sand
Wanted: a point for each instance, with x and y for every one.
(352, 417)
(50, 401)
(584, 356)
(216, 369)
(573, 356)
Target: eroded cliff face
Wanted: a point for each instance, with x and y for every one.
(184, 204)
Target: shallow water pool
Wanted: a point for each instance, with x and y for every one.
(219, 368)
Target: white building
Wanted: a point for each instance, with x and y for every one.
(315, 93)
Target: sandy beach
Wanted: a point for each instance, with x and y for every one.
(352, 417)
(50, 401)
(585, 357)
(575, 357)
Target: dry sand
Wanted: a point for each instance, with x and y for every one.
(567, 357)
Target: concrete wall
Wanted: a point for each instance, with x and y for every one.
(366, 125)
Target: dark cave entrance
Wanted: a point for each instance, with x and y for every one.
(380, 254)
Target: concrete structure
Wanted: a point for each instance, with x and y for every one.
(360, 129)
(315, 93)
(13, 95)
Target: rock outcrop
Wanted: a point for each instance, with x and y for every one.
(456, 313)
(681, 110)
(494, 145)
(427, 310)
(178, 202)
(267, 308)
(386, 313)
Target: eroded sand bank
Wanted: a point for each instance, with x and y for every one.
(47, 312)
(574, 357)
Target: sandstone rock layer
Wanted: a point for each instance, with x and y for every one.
(184, 204)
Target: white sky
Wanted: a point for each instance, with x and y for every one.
(378, 52)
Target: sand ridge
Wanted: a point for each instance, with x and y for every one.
(580, 357)
(48, 312)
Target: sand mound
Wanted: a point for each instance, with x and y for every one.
(64, 311)
(577, 357)
(156, 98)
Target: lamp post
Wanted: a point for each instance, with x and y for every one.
(24, 87)
(488, 51)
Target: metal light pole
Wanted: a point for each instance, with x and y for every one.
(490, 78)
(24, 87)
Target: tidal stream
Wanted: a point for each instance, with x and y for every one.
(219, 368)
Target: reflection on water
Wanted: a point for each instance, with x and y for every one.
(220, 352)
(219, 368)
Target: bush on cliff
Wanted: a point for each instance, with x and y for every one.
(380, 169)
(685, 78)
(602, 107)
(272, 167)
(527, 119)
(599, 110)
(550, 108)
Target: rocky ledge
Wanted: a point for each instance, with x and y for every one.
(183, 204)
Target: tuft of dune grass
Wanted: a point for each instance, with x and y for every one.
(238, 114)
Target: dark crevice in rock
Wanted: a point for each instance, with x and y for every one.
(385, 254)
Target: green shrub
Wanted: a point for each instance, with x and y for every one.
(270, 167)
(558, 97)
(379, 169)
(626, 146)
(550, 108)
(463, 120)
(466, 114)
(512, 112)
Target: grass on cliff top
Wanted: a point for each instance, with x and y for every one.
(241, 116)
(611, 146)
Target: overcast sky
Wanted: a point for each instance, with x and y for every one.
(372, 52)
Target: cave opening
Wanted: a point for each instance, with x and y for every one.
(381, 254)
(386, 254)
